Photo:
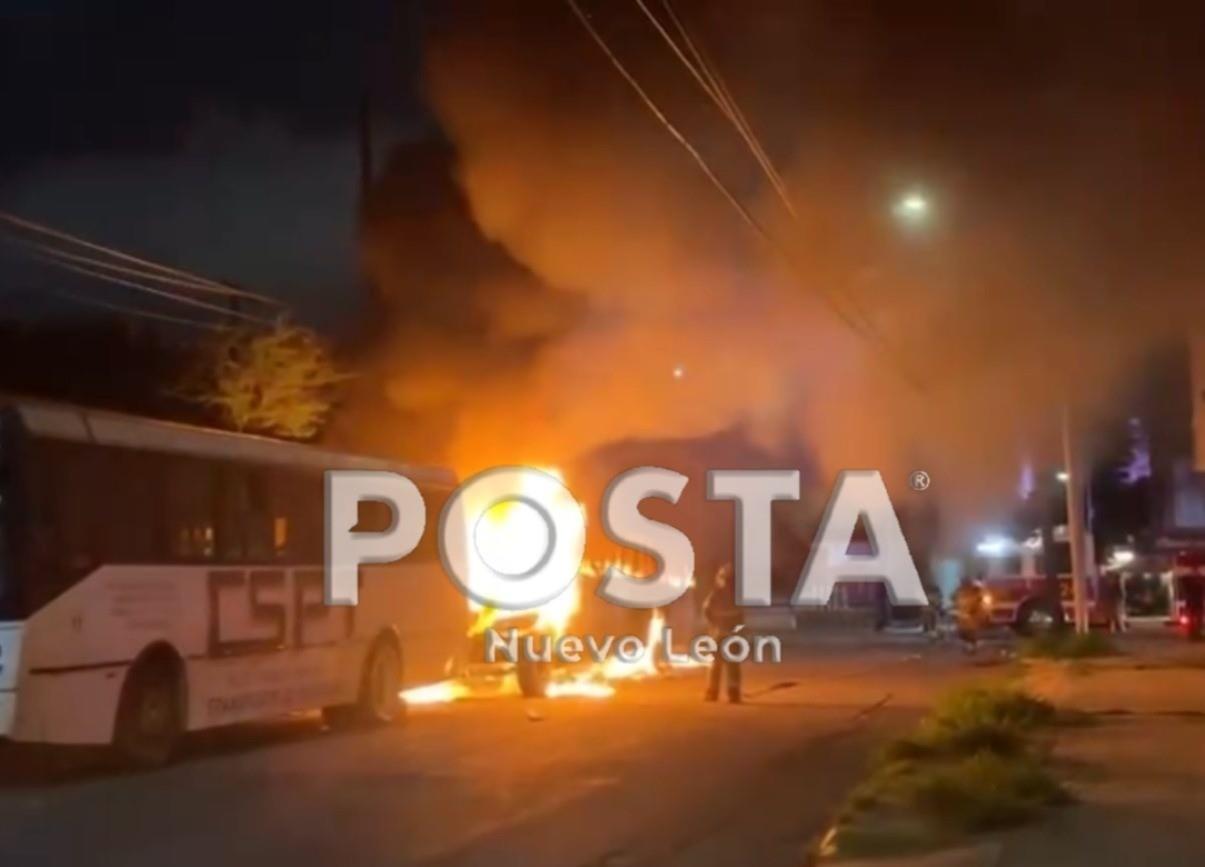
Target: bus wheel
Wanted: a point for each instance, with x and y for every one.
(380, 693)
(149, 717)
(533, 677)
(380, 701)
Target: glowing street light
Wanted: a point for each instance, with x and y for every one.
(1121, 557)
(912, 208)
(995, 546)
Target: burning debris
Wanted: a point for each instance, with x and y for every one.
(508, 536)
(596, 679)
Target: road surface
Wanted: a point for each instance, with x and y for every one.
(651, 776)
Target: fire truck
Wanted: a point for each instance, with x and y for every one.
(1015, 588)
(1019, 601)
(1186, 566)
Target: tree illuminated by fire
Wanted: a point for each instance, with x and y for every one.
(281, 381)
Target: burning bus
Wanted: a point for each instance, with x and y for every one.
(509, 535)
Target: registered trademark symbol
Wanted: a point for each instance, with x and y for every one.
(919, 480)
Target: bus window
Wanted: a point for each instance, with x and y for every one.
(280, 535)
(73, 485)
(245, 514)
(188, 506)
(8, 601)
(297, 507)
(98, 505)
(64, 534)
(130, 516)
(259, 520)
(231, 506)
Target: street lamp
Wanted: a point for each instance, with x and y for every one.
(912, 208)
(995, 546)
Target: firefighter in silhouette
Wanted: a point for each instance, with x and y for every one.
(1194, 604)
(1111, 602)
(970, 613)
(724, 618)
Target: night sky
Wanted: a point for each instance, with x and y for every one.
(218, 136)
(530, 217)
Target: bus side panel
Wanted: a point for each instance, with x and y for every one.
(430, 615)
(117, 612)
(256, 642)
(326, 647)
(71, 707)
(274, 647)
(78, 648)
(243, 688)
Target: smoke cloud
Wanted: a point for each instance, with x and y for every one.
(562, 276)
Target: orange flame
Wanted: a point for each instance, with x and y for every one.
(506, 534)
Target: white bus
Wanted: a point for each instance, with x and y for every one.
(158, 578)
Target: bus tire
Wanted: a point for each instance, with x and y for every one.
(533, 676)
(1032, 617)
(379, 701)
(150, 712)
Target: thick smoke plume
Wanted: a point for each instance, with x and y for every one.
(563, 277)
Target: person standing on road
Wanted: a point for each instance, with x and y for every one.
(724, 618)
(1194, 604)
(969, 612)
(931, 615)
(1109, 598)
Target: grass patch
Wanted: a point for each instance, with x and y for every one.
(984, 791)
(994, 720)
(974, 764)
(1068, 645)
(1001, 705)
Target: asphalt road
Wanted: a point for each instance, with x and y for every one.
(651, 776)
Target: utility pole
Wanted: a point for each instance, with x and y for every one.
(1052, 586)
(1075, 521)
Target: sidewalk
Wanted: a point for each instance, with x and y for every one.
(1137, 772)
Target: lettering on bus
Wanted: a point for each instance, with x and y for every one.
(264, 592)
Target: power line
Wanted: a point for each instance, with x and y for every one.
(52, 251)
(665, 121)
(862, 330)
(38, 228)
(714, 86)
(137, 311)
(141, 287)
(721, 92)
(713, 75)
(709, 78)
